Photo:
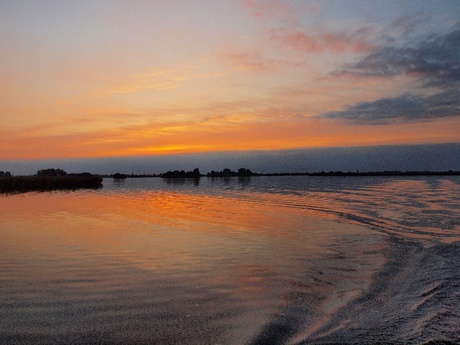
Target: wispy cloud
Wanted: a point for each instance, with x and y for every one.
(405, 25)
(171, 78)
(434, 63)
(269, 9)
(321, 42)
(254, 62)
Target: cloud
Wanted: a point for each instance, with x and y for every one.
(268, 9)
(285, 19)
(433, 62)
(161, 79)
(251, 62)
(322, 42)
(406, 24)
(403, 109)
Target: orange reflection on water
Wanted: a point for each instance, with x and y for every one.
(171, 227)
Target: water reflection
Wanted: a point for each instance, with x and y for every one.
(182, 181)
(204, 264)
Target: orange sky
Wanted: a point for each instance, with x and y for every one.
(96, 79)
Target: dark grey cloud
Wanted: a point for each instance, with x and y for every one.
(434, 62)
(383, 111)
(403, 109)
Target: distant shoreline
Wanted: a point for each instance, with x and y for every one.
(182, 174)
(23, 184)
(371, 173)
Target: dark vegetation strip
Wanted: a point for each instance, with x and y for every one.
(21, 184)
(243, 172)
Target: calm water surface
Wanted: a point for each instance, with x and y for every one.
(261, 260)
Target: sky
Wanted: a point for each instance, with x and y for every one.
(110, 79)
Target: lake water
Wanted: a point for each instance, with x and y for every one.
(261, 260)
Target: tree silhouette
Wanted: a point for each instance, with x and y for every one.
(51, 172)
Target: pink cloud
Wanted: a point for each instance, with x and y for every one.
(267, 8)
(296, 40)
(320, 43)
(270, 11)
(250, 62)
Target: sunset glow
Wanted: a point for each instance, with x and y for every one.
(100, 79)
